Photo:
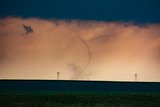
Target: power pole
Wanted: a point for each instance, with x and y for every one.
(58, 75)
(135, 75)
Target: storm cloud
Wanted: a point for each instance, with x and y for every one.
(79, 50)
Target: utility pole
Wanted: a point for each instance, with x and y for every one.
(135, 75)
(58, 75)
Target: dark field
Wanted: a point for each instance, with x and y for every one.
(31, 93)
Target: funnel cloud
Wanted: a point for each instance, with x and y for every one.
(78, 49)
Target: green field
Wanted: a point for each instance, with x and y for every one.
(77, 99)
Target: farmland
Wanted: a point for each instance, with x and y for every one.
(24, 93)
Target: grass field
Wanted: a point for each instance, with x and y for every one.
(77, 99)
(67, 93)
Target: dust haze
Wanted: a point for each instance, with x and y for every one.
(79, 49)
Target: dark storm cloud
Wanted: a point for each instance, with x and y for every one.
(141, 11)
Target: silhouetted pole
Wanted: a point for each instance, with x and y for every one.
(135, 77)
(58, 75)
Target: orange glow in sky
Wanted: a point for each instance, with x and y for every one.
(85, 50)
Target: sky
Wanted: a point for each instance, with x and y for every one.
(141, 11)
(82, 39)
